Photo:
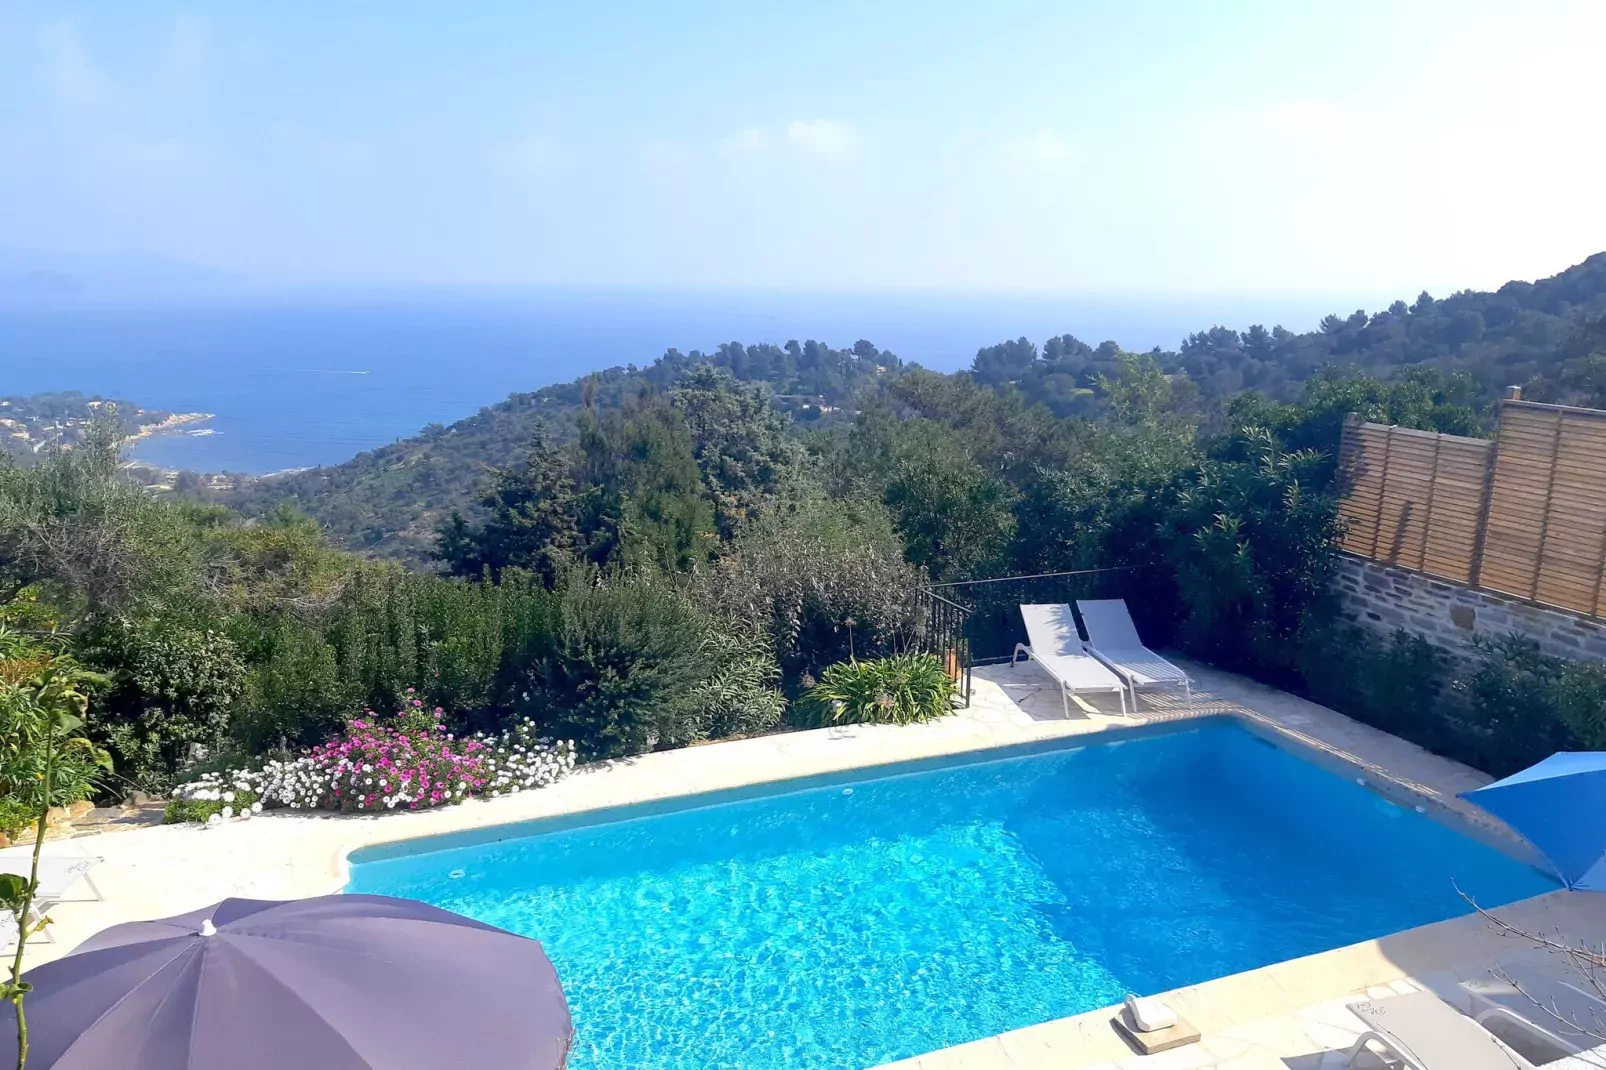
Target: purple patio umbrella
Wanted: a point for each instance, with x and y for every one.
(341, 982)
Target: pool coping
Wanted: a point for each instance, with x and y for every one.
(385, 850)
(1306, 748)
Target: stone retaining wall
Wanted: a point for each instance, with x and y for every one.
(1384, 599)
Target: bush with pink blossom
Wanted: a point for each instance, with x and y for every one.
(407, 761)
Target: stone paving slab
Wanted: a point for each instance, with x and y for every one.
(1290, 1012)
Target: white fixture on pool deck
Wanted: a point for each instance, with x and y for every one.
(1153, 1027)
(1150, 1014)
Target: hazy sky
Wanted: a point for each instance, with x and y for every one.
(1058, 146)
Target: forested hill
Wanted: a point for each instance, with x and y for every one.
(1549, 335)
(390, 501)
(1538, 333)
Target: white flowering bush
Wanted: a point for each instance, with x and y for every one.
(518, 759)
(409, 762)
(216, 797)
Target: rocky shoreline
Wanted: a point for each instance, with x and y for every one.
(173, 422)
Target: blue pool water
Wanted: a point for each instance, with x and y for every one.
(842, 923)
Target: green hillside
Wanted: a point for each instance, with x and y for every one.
(1547, 335)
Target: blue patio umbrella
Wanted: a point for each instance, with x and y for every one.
(1559, 806)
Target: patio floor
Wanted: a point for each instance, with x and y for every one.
(1286, 1015)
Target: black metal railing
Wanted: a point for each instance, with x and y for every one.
(940, 630)
(976, 622)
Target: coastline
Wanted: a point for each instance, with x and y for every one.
(172, 423)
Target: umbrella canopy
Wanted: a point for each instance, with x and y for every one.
(1559, 806)
(341, 982)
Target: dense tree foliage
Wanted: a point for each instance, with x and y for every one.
(392, 501)
(655, 482)
(1549, 336)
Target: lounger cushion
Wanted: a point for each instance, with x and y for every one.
(1435, 1035)
(1057, 645)
(57, 873)
(1142, 667)
(1109, 623)
(1113, 637)
(1079, 672)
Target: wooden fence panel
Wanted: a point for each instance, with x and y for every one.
(1415, 498)
(1524, 516)
(1575, 523)
(1518, 499)
(1456, 508)
(1363, 458)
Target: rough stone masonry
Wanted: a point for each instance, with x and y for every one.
(1384, 599)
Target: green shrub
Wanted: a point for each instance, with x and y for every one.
(632, 664)
(45, 761)
(184, 811)
(1253, 549)
(1395, 684)
(819, 583)
(393, 629)
(1581, 701)
(956, 518)
(737, 695)
(902, 689)
(15, 816)
(1513, 704)
(297, 692)
(1512, 707)
(175, 688)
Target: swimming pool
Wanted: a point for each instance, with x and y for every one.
(849, 920)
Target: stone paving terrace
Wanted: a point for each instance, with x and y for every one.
(1290, 1015)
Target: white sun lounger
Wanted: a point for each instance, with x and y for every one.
(57, 874)
(1057, 647)
(1423, 1033)
(1113, 639)
(1569, 1017)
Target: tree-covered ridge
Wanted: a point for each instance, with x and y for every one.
(1537, 333)
(1460, 351)
(390, 501)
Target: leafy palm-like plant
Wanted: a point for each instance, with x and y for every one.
(901, 689)
(44, 762)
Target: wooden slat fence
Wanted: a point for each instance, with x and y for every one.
(1415, 499)
(1524, 515)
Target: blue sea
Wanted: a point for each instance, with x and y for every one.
(855, 919)
(309, 380)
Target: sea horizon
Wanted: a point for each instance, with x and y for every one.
(299, 379)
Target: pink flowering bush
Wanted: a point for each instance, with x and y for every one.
(410, 762)
(407, 761)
